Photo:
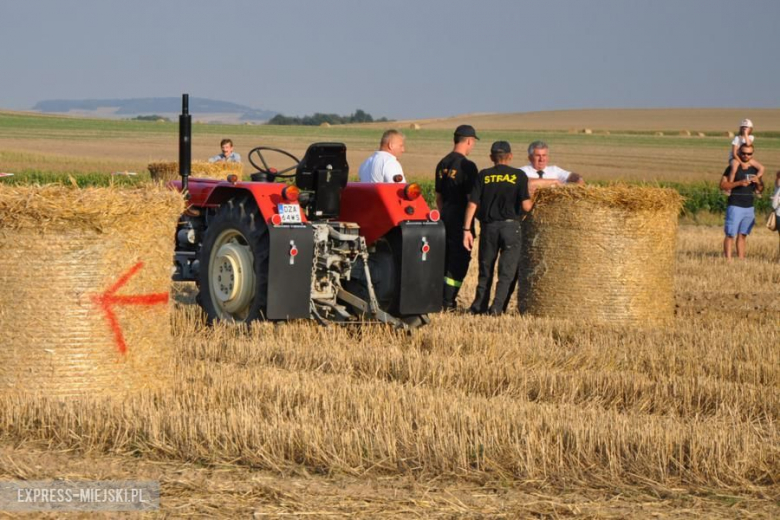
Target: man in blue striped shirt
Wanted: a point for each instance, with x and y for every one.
(227, 155)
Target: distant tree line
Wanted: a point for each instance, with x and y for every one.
(153, 117)
(317, 119)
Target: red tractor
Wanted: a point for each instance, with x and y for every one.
(319, 248)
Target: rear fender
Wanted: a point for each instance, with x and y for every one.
(212, 193)
(379, 207)
(267, 195)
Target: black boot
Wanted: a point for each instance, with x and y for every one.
(450, 301)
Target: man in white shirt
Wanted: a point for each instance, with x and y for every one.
(541, 174)
(383, 165)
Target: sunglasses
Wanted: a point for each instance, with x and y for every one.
(746, 153)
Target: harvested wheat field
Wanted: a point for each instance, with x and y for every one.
(622, 145)
(468, 417)
(620, 119)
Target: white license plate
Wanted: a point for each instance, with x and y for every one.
(290, 213)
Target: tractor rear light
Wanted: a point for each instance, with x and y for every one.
(434, 215)
(276, 219)
(425, 249)
(412, 191)
(232, 178)
(293, 252)
(291, 193)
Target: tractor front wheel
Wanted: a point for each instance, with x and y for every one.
(234, 263)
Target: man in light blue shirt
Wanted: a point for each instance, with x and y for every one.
(227, 155)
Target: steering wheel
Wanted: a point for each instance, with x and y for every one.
(266, 169)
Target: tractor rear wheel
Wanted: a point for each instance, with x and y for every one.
(384, 264)
(233, 277)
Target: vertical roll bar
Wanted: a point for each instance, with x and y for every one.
(185, 144)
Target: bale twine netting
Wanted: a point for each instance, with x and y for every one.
(169, 171)
(85, 276)
(601, 254)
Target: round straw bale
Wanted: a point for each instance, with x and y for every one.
(686, 133)
(414, 126)
(325, 124)
(85, 277)
(168, 171)
(701, 134)
(730, 135)
(603, 254)
(587, 131)
(660, 134)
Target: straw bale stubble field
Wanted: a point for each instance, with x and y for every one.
(484, 411)
(471, 417)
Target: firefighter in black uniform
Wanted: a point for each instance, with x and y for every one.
(455, 176)
(499, 199)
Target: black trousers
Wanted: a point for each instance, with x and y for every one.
(456, 259)
(499, 240)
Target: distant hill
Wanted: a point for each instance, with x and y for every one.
(200, 108)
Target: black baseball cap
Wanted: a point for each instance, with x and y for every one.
(466, 131)
(500, 147)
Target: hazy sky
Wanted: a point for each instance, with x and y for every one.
(400, 59)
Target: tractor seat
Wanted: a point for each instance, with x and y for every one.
(324, 172)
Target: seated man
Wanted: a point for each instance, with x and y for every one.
(540, 174)
(383, 165)
(227, 155)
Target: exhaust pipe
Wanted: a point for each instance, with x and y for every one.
(185, 144)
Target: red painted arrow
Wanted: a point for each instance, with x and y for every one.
(108, 299)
